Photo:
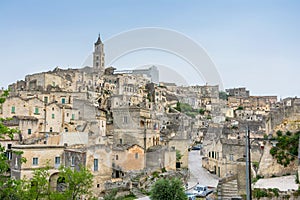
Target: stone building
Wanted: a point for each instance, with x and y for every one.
(222, 157)
(159, 157)
(134, 125)
(176, 133)
(151, 72)
(35, 156)
(96, 158)
(127, 158)
(98, 56)
(238, 92)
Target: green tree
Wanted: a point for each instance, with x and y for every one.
(168, 189)
(178, 155)
(9, 188)
(286, 149)
(78, 182)
(223, 95)
(38, 187)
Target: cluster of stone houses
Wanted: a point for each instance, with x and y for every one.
(224, 144)
(118, 122)
(111, 122)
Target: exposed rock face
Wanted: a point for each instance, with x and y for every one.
(269, 166)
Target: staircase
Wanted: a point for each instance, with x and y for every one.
(135, 180)
(228, 188)
(137, 193)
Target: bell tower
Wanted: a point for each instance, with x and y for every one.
(98, 56)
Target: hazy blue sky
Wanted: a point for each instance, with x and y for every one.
(253, 43)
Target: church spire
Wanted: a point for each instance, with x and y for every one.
(98, 56)
(98, 40)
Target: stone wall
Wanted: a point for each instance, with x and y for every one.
(270, 167)
(35, 151)
(160, 157)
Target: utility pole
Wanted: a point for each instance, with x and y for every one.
(248, 165)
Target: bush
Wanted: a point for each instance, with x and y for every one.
(163, 170)
(279, 133)
(155, 174)
(287, 147)
(273, 151)
(168, 190)
(258, 193)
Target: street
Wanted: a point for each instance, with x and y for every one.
(198, 174)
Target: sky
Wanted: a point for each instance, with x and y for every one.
(253, 44)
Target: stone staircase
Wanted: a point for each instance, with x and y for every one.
(137, 193)
(228, 188)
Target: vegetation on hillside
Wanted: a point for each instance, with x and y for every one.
(223, 95)
(286, 150)
(188, 109)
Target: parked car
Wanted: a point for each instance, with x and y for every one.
(190, 196)
(201, 191)
(197, 147)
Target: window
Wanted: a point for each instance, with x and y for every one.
(35, 161)
(13, 109)
(45, 99)
(95, 164)
(72, 161)
(51, 129)
(117, 157)
(63, 100)
(66, 129)
(121, 141)
(136, 155)
(125, 120)
(57, 160)
(9, 155)
(36, 111)
(53, 116)
(29, 131)
(68, 114)
(231, 157)
(73, 116)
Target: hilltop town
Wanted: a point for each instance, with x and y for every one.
(125, 125)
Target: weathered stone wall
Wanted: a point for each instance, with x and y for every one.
(87, 110)
(104, 173)
(159, 158)
(74, 158)
(39, 152)
(270, 167)
(241, 177)
(182, 146)
(132, 158)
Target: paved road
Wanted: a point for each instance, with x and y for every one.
(198, 174)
